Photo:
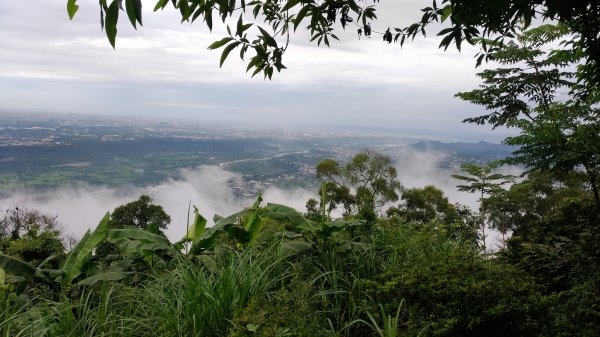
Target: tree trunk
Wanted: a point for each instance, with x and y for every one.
(593, 176)
(482, 206)
(593, 181)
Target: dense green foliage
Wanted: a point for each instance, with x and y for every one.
(30, 235)
(365, 184)
(538, 90)
(270, 271)
(142, 214)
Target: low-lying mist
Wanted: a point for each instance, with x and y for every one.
(80, 206)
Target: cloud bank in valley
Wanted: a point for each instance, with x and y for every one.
(80, 206)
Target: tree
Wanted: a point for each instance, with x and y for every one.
(482, 180)
(142, 214)
(476, 21)
(525, 93)
(525, 204)
(30, 235)
(425, 205)
(365, 184)
(472, 21)
(553, 221)
(429, 207)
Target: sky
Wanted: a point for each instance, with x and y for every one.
(51, 64)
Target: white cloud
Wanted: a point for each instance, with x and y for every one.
(80, 206)
(73, 69)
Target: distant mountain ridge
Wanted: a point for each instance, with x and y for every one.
(479, 149)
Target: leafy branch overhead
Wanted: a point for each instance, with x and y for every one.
(478, 22)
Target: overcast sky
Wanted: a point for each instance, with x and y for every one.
(51, 64)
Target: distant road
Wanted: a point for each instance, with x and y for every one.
(226, 164)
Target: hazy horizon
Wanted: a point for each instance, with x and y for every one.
(163, 70)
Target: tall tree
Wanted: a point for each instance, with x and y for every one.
(142, 214)
(428, 207)
(483, 180)
(535, 90)
(30, 235)
(366, 183)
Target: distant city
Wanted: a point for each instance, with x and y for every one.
(41, 151)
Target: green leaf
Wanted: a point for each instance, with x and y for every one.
(241, 27)
(16, 267)
(134, 11)
(108, 276)
(206, 241)
(220, 43)
(268, 38)
(112, 16)
(300, 16)
(81, 254)
(253, 61)
(293, 247)
(130, 12)
(446, 12)
(284, 213)
(137, 4)
(198, 226)
(208, 263)
(208, 18)
(226, 52)
(72, 8)
(160, 4)
(134, 239)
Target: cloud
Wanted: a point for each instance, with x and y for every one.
(69, 66)
(418, 169)
(79, 207)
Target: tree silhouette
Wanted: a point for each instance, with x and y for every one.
(483, 180)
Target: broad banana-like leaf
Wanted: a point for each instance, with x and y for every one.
(284, 213)
(337, 225)
(253, 225)
(102, 277)
(16, 267)
(197, 228)
(233, 219)
(232, 225)
(352, 246)
(243, 226)
(207, 240)
(293, 247)
(258, 200)
(133, 239)
(83, 251)
(291, 235)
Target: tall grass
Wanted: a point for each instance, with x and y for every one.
(406, 282)
(95, 312)
(191, 300)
